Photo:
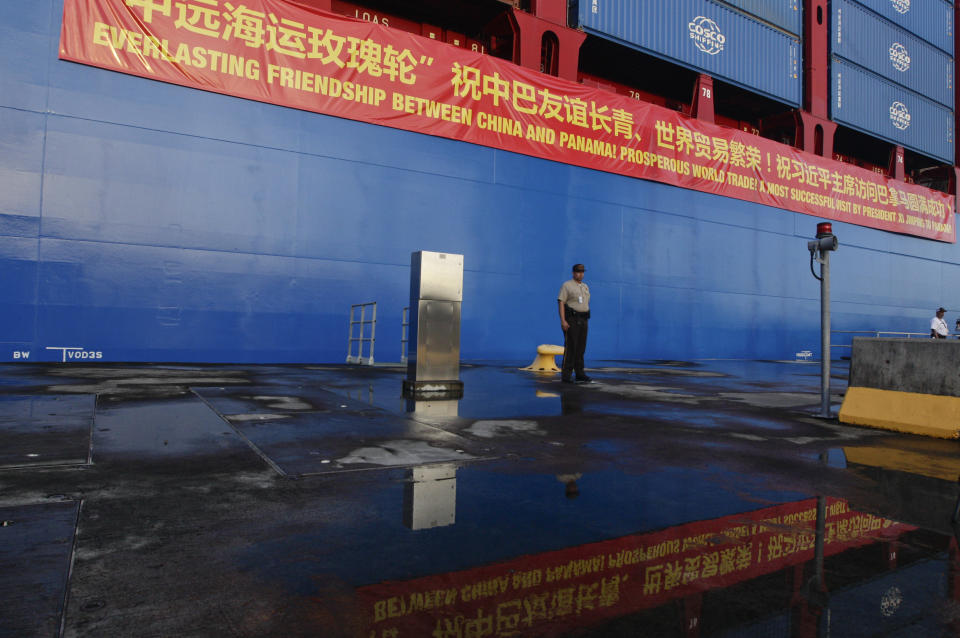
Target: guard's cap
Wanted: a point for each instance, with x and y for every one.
(938, 309)
(579, 268)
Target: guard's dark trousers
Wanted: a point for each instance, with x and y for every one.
(574, 345)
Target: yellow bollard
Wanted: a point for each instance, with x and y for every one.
(545, 361)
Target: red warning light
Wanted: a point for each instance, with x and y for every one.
(824, 228)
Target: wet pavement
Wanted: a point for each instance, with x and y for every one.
(665, 499)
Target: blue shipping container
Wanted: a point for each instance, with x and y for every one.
(932, 20)
(703, 36)
(867, 102)
(864, 38)
(785, 14)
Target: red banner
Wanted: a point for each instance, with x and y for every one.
(551, 593)
(279, 52)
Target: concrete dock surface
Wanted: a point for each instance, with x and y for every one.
(666, 498)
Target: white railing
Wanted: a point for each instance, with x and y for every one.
(360, 339)
(876, 333)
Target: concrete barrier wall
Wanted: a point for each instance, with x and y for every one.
(924, 366)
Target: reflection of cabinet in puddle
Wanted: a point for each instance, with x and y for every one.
(436, 409)
(430, 497)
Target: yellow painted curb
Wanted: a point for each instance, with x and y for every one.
(924, 414)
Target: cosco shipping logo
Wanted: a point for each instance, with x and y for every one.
(901, 6)
(706, 35)
(899, 56)
(899, 115)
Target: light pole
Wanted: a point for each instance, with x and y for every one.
(820, 249)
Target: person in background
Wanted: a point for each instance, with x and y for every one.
(574, 306)
(938, 327)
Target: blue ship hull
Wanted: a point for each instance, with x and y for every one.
(141, 221)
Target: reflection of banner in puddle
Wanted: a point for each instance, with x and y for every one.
(284, 53)
(585, 584)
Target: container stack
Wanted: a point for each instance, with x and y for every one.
(754, 44)
(783, 14)
(892, 72)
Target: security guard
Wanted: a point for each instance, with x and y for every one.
(574, 306)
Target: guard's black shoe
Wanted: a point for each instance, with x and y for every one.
(584, 379)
